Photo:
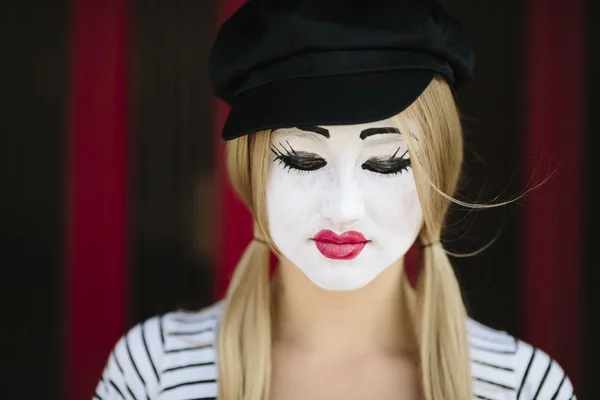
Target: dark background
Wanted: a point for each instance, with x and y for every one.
(174, 180)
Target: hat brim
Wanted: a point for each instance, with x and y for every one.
(325, 100)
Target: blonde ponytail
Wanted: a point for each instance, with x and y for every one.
(244, 344)
(445, 362)
(244, 341)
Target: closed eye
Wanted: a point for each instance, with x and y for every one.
(390, 166)
(300, 161)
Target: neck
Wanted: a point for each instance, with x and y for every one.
(367, 320)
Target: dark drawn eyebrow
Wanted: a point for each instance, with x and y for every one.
(316, 129)
(378, 131)
(363, 135)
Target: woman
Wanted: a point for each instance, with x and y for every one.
(345, 143)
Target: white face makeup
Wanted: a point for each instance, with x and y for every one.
(342, 202)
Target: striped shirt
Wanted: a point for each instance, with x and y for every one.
(173, 356)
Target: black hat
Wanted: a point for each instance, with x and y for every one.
(282, 63)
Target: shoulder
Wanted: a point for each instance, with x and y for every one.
(173, 353)
(504, 365)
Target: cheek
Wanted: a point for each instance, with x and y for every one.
(395, 204)
(292, 199)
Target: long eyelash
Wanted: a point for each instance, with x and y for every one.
(401, 162)
(290, 159)
(396, 152)
(291, 149)
(280, 156)
(277, 153)
(406, 166)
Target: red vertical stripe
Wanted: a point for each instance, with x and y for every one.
(551, 246)
(97, 199)
(235, 221)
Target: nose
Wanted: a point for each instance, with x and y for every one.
(343, 202)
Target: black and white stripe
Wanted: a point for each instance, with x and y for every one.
(173, 357)
(506, 368)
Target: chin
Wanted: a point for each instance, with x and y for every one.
(342, 288)
(341, 283)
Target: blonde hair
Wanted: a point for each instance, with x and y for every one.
(434, 138)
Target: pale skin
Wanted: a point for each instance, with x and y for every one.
(352, 343)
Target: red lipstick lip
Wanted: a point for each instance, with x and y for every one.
(346, 246)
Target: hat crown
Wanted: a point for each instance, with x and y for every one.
(265, 32)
